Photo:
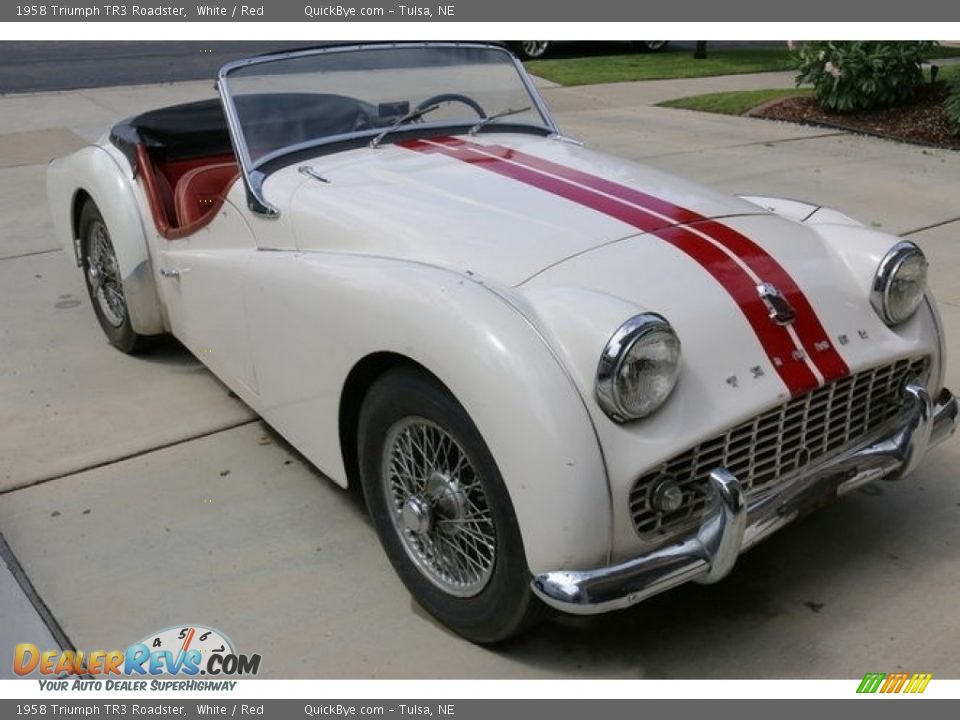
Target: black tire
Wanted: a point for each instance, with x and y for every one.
(532, 49)
(502, 604)
(104, 285)
(649, 46)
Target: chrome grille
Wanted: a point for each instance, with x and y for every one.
(777, 443)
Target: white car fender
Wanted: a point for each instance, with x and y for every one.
(100, 175)
(304, 311)
(861, 249)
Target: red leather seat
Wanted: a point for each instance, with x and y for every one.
(201, 190)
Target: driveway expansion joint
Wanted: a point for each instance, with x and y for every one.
(123, 458)
(929, 227)
(780, 141)
(31, 254)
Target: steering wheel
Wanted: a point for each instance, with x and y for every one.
(453, 97)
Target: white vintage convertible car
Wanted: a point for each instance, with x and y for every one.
(562, 379)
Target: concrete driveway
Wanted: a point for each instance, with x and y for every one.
(137, 493)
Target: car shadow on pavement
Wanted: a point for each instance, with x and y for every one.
(167, 350)
(810, 592)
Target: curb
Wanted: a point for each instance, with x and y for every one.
(861, 131)
(756, 113)
(762, 107)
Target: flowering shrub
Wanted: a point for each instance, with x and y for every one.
(863, 74)
(952, 104)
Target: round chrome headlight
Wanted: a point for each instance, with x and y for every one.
(639, 367)
(900, 283)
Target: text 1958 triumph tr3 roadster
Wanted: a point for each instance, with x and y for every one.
(561, 379)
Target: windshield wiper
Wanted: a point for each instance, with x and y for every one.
(496, 116)
(414, 114)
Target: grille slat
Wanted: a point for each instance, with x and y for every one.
(771, 446)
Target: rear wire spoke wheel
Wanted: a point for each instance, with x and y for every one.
(103, 276)
(441, 509)
(101, 272)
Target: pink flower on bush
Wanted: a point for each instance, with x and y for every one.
(832, 69)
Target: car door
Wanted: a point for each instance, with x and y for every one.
(202, 277)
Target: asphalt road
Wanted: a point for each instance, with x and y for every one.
(60, 65)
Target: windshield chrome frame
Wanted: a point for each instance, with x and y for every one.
(253, 177)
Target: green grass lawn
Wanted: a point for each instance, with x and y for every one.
(947, 72)
(655, 66)
(734, 102)
(671, 64)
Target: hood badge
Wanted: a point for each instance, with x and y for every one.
(781, 311)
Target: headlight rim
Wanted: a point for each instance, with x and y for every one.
(883, 281)
(615, 352)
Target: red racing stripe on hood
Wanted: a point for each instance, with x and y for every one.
(777, 342)
(813, 337)
(816, 342)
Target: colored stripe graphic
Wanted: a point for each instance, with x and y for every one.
(786, 349)
(894, 683)
(871, 682)
(919, 682)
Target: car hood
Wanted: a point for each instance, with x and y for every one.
(478, 210)
(581, 241)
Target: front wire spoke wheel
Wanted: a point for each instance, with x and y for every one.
(441, 507)
(438, 507)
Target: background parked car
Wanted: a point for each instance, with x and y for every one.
(532, 49)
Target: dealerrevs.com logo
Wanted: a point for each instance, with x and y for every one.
(180, 651)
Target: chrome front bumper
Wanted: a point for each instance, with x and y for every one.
(733, 524)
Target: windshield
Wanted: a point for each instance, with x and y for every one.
(278, 104)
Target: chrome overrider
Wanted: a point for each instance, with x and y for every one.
(734, 523)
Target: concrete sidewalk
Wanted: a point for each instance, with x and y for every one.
(653, 92)
(136, 493)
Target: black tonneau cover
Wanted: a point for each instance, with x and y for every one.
(270, 121)
(181, 131)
